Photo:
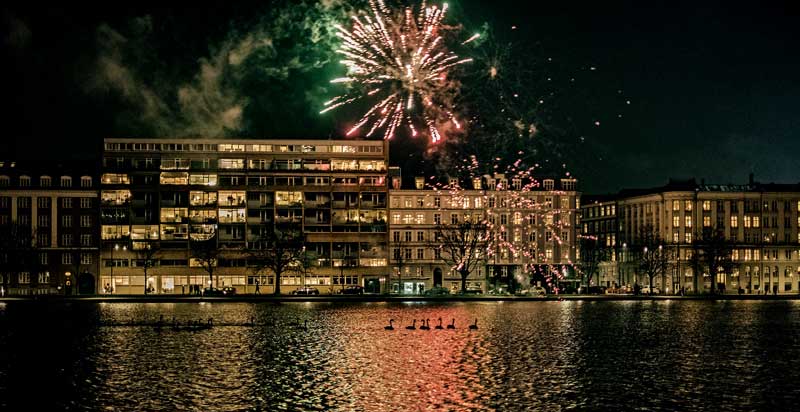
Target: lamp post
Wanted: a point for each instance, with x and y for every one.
(114, 263)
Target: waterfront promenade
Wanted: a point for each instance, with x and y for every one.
(387, 298)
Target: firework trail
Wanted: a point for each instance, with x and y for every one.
(397, 60)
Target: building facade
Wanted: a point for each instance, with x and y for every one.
(50, 231)
(532, 232)
(759, 221)
(168, 193)
(599, 222)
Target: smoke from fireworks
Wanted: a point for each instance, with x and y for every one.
(398, 61)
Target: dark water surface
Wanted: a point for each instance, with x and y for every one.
(642, 355)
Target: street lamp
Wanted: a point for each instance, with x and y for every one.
(114, 263)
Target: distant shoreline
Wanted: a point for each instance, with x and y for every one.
(382, 298)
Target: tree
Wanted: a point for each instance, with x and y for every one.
(592, 253)
(711, 251)
(147, 257)
(462, 246)
(206, 253)
(18, 251)
(278, 252)
(653, 253)
(399, 261)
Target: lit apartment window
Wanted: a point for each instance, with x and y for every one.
(734, 221)
(756, 221)
(231, 148)
(115, 179)
(688, 237)
(676, 205)
(747, 221)
(203, 179)
(676, 221)
(420, 218)
(395, 218)
(688, 205)
(706, 221)
(174, 178)
(688, 221)
(706, 205)
(66, 181)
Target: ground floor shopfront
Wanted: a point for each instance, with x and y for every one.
(748, 278)
(187, 281)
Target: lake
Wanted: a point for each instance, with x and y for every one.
(569, 355)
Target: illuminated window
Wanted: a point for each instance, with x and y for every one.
(676, 221)
(756, 221)
(676, 205)
(174, 178)
(395, 218)
(420, 218)
(747, 221)
(706, 221)
(688, 220)
(204, 179)
(231, 164)
(688, 237)
(734, 221)
(706, 205)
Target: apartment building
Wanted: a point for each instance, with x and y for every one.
(532, 231)
(168, 193)
(48, 228)
(599, 223)
(760, 220)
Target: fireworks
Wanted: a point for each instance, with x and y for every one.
(397, 60)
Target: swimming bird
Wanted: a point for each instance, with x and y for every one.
(391, 326)
(474, 325)
(452, 324)
(412, 326)
(439, 326)
(425, 324)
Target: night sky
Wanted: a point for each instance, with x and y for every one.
(638, 92)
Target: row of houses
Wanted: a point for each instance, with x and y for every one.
(130, 224)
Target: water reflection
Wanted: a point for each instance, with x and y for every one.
(524, 356)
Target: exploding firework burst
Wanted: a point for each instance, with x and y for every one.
(397, 60)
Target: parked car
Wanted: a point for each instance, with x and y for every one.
(592, 290)
(472, 290)
(226, 291)
(500, 290)
(646, 290)
(537, 291)
(352, 290)
(305, 290)
(437, 291)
